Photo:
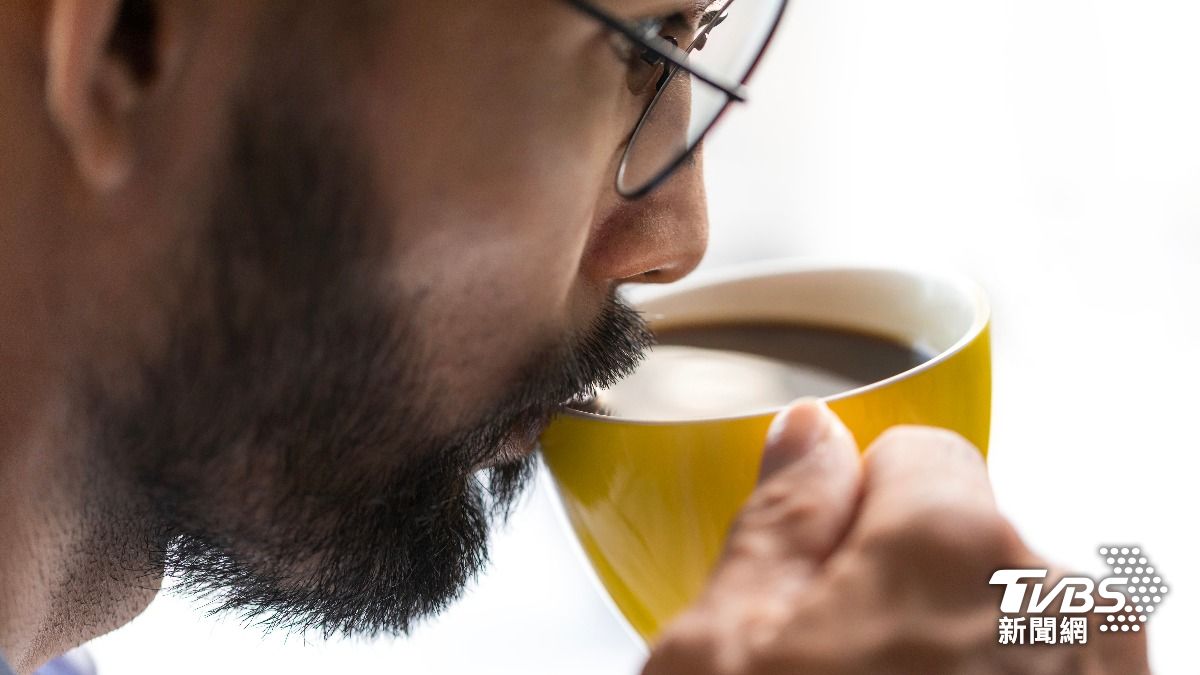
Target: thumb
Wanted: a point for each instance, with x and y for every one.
(808, 491)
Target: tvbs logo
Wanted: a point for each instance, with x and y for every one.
(1128, 597)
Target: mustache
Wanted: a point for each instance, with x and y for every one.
(610, 349)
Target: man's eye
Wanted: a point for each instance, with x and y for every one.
(647, 68)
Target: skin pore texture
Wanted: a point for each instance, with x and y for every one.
(289, 288)
(287, 441)
(289, 311)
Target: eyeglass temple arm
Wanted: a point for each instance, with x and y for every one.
(661, 48)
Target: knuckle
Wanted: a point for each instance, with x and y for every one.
(895, 436)
(782, 519)
(912, 438)
(776, 505)
(952, 535)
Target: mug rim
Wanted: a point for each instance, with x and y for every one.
(962, 284)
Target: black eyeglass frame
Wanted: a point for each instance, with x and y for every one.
(678, 60)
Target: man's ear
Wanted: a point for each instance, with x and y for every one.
(104, 58)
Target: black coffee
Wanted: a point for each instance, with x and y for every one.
(734, 369)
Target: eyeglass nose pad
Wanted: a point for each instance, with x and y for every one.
(667, 69)
(658, 72)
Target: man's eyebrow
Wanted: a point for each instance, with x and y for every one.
(700, 8)
(695, 7)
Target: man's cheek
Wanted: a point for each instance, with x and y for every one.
(478, 329)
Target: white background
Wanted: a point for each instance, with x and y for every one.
(1049, 148)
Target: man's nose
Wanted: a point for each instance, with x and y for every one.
(658, 238)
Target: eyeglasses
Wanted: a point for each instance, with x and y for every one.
(692, 65)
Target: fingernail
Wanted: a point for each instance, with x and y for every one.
(793, 434)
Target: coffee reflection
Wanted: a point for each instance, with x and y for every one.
(725, 370)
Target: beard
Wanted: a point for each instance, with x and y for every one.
(281, 443)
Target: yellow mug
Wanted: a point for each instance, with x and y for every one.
(651, 502)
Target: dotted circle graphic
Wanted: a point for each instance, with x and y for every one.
(1144, 590)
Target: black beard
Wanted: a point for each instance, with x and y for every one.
(280, 441)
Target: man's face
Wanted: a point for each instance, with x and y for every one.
(397, 258)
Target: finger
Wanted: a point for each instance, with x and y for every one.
(808, 491)
(920, 467)
(926, 494)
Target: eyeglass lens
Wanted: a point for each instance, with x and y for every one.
(726, 45)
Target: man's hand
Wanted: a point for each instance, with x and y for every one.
(878, 564)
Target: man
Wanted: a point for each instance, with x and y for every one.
(291, 287)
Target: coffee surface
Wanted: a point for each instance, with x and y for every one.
(722, 370)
